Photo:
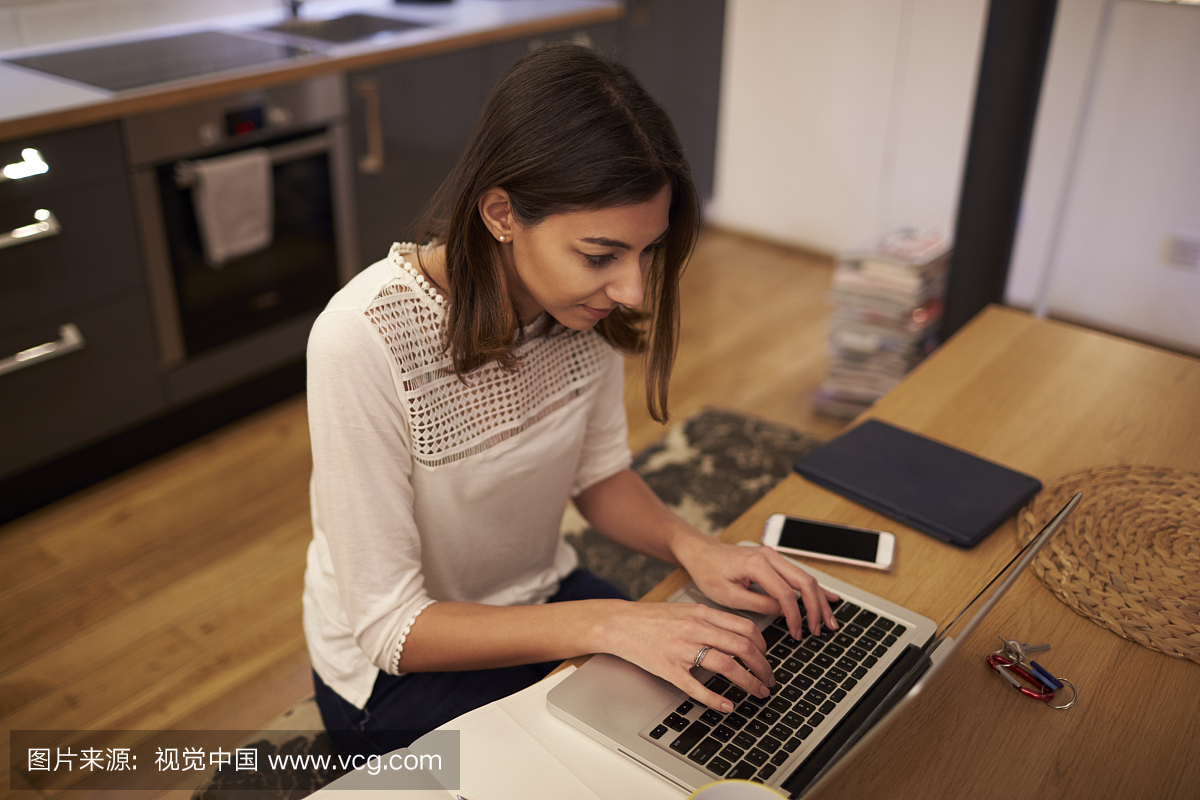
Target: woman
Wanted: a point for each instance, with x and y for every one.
(460, 394)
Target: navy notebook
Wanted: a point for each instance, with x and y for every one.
(932, 487)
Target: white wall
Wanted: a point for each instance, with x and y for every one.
(1137, 178)
(842, 119)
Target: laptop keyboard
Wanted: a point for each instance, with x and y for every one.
(813, 677)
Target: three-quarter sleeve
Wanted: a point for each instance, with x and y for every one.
(427, 486)
(361, 489)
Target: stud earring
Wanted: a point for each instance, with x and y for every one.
(501, 238)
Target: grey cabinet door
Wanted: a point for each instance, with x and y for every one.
(72, 158)
(94, 255)
(675, 47)
(606, 38)
(425, 111)
(53, 407)
(85, 276)
(411, 121)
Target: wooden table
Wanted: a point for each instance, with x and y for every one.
(1047, 399)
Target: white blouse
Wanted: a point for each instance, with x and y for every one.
(425, 488)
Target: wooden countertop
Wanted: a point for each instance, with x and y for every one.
(53, 103)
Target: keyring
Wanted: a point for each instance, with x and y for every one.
(1074, 696)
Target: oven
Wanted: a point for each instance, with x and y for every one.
(219, 324)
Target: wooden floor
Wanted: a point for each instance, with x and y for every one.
(169, 596)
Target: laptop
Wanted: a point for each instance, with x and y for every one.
(831, 689)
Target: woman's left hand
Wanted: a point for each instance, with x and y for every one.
(625, 509)
(725, 572)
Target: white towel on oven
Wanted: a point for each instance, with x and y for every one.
(235, 208)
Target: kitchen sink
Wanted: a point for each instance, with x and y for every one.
(341, 30)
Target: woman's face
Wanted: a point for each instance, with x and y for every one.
(580, 265)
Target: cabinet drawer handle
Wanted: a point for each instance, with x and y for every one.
(69, 340)
(31, 163)
(47, 225)
(371, 162)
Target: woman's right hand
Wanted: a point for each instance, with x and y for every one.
(664, 638)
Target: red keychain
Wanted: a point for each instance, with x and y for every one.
(1013, 659)
(999, 662)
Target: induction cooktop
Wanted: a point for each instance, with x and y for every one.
(131, 65)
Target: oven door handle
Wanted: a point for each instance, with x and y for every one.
(185, 171)
(69, 340)
(371, 162)
(301, 148)
(47, 225)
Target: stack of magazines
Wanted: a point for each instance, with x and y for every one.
(888, 300)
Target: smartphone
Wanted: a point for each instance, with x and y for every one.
(825, 540)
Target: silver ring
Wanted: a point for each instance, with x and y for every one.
(1074, 697)
(700, 656)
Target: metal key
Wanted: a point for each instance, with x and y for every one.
(1018, 652)
(1013, 650)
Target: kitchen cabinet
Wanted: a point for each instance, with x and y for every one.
(110, 384)
(72, 301)
(409, 123)
(606, 38)
(94, 256)
(675, 47)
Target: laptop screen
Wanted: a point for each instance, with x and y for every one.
(965, 622)
(926, 669)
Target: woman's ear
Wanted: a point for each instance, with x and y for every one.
(496, 212)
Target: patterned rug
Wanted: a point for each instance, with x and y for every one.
(709, 469)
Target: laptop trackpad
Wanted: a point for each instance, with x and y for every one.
(609, 691)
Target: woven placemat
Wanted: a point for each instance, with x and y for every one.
(1128, 558)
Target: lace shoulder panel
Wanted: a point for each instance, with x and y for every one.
(449, 419)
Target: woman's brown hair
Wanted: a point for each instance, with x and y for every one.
(565, 130)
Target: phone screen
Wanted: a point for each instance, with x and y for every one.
(799, 534)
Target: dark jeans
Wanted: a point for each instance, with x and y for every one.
(404, 707)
